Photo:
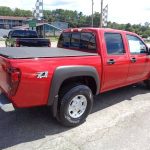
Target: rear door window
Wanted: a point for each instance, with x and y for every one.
(114, 44)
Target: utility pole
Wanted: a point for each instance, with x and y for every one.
(42, 9)
(101, 16)
(92, 12)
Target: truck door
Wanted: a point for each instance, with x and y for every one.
(138, 59)
(115, 62)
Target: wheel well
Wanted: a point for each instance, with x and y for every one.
(86, 80)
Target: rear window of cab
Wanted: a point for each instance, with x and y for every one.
(23, 34)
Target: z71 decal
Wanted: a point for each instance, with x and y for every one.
(43, 74)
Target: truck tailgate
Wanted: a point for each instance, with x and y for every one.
(9, 77)
(33, 52)
(33, 42)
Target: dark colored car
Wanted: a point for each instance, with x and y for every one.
(29, 38)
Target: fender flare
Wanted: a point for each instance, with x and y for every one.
(65, 72)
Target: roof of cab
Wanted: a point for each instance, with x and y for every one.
(97, 29)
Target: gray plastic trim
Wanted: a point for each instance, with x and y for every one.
(65, 72)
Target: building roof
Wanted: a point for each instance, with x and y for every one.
(38, 24)
(21, 27)
(13, 18)
(41, 24)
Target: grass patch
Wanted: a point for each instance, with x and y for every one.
(54, 39)
(147, 42)
(2, 40)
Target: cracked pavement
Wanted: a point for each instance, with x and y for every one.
(119, 121)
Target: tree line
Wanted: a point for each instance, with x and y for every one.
(6, 11)
(77, 19)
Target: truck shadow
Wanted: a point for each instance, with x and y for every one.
(113, 97)
(27, 125)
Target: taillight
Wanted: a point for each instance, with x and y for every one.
(17, 43)
(14, 78)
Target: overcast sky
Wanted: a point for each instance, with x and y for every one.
(120, 11)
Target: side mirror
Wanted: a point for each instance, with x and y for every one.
(5, 36)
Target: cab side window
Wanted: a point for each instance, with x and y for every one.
(75, 40)
(64, 40)
(85, 41)
(88, 41)
(136, 45)
(114, 44)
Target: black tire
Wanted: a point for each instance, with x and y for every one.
(66, 96)
(147, 83)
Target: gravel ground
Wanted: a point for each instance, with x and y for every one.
(119, 121)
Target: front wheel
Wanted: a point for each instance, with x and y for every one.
(75, 105)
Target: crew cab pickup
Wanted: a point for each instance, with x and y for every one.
(86, 62)
(28, 38)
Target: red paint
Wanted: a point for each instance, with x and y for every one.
(34, 92)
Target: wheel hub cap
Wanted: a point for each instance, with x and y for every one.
(77, 106)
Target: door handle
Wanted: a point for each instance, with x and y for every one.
(111, 61)
(133, 60)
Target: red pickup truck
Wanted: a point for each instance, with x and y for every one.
(87, 62)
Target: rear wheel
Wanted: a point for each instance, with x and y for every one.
(75, 104)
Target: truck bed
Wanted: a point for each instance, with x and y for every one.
(33, 52)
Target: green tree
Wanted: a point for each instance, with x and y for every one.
(78, 19)
(5, 11)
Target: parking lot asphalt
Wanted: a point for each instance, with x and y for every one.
(119, 121)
